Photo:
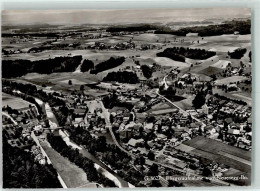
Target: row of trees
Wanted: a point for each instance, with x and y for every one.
(74, 156)
(179, 53)
(17, 68)
(122, 77)
(21, 171)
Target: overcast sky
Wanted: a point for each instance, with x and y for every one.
(14, 17)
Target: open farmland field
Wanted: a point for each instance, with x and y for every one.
(154, 38)
(185, 104)
(74, 81)
(222, 38)
(202, 64)
(220, 48)
(221, 159)
(22, 43)
(215, 147)
(243, 96)
(246, 97)
(59, 81)
(211, 70)
(72, 175)
(161, 106)
(162, 61)
(241, 168)
(47, 54)
(222, 64)
(236, 62)
(231, 79)
(14, 102)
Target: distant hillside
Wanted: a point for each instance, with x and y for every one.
(136, 27)
(53, 35)
(243, 27)
(17, 68)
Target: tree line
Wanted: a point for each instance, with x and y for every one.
(17, 68)
(243, 27)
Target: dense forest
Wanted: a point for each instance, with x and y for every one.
(20, 170)
(243, 27)
(17, 68)
(122, 77)
(108, 64)
(87, 65)
(238, 53)
(179, 53)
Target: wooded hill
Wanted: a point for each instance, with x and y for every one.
(17, 68)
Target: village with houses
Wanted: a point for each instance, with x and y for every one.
(141, 105)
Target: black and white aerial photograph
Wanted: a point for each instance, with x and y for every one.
(126, 98)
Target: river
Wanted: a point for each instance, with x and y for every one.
(106, 171)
